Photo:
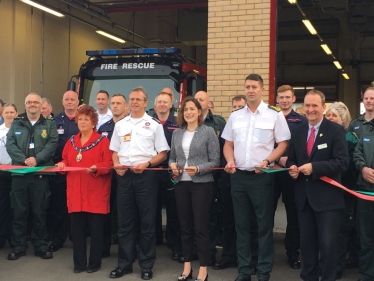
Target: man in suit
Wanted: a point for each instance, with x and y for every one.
(318, 149)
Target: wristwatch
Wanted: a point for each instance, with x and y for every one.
(267, 160)
(149, 164)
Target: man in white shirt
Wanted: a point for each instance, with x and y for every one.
(102, 101)
(138, 142)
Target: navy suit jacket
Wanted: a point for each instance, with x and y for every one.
(329, 157)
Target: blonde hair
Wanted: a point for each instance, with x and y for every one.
(300, 110)
(342, 111)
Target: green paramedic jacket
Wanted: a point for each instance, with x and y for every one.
(43, 134)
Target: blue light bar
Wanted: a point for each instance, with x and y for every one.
(134, 51)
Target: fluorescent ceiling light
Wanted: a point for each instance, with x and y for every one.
(115, 38)
(292, 1)
(45, 9)
(345, 75)
(303, 88)
(310, 27)
(326, 49)
(337, 64)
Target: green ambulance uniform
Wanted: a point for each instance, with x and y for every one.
(30, 192)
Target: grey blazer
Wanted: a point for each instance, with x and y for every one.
(204, 152)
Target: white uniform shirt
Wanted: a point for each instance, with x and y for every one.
(103, 118)
(254, 134)
(138, 141)
(4, 156)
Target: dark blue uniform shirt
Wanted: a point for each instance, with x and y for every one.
(169, 126)
(65, 128)
(107, 129)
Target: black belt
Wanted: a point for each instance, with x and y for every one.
(247, 172)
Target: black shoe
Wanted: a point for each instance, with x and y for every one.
(92, 270)
(339, 275)
(212, 261)
(77, 270)
(174, 256)
(15, 255)
(224, 265)
(147, 274)
(254, 270)
(294, 263)
(44, 254)
(105, 254)
(119, 272)
(243, 279)
(54, 247)
(206, 279)
(181, 259)
(184, 277)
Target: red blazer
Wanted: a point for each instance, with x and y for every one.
(87, 192)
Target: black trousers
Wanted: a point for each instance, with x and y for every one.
(79, 223)
(319, 233)
(285, 185)
(5, 211)
(111, 219)
(166, 196)
(136, 194)
(59, 218)
(193, 203)
(30, 192)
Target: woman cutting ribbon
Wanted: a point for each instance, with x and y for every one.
(88, 191)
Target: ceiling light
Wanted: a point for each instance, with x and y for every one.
(310, 27)
(337, 64)
(345, 75)
(292, 1)
(45, 9)
(326, 49)
(115, 38)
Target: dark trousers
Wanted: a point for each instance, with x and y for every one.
(166, 196)
(253, 192)
(365, 216)
(5, 211)
(347, 229)
(136, 194)
(285, 185)
(59, 217)
(29, 192)
(319, 233)
(79, 223)
(229, 232)
(111, 219)
(193, 202)
(214, 218)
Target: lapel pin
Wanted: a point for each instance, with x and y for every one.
(320, 135)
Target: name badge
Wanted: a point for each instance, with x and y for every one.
(31, 145)
(127, 137)
(365, 139)
(105, 134)
(60, 131)
(17, 133)
(322, 146)
(356, 127)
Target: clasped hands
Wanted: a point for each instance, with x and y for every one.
(177, 171)
(306, 169)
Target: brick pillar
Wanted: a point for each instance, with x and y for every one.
(238, 44)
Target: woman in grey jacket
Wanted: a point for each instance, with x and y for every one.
(194, 150)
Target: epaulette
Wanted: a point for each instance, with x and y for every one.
(238, 108)
(353, 133)
(158, 121)
(19, 117)
(274, 108)
(219, 117)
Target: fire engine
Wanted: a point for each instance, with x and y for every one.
(120, 71)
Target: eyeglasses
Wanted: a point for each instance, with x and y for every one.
(32, 102)
(136, 99)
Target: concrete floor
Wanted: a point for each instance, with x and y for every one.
(60, 267)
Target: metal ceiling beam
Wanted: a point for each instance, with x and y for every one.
(158, 8)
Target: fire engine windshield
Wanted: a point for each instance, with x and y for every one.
(120, 85)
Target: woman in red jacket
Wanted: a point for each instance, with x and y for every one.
(88, 190)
